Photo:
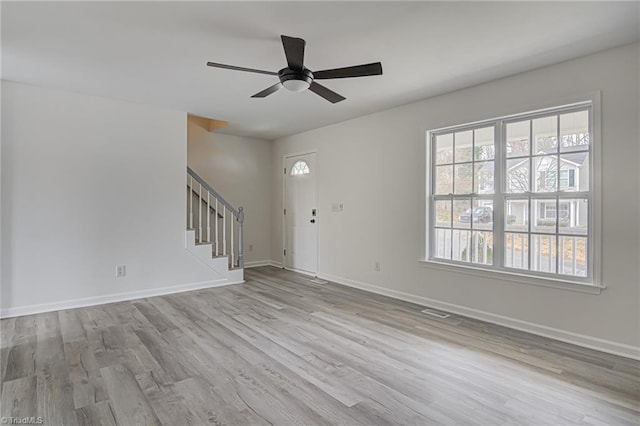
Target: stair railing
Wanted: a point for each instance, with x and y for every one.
(213, 218)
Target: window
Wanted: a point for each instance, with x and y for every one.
(567, 179)
(514, 194)
(548, 210)
(300, 167)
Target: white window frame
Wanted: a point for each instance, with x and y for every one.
(589, 284)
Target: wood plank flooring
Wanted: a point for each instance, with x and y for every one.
(283, 350)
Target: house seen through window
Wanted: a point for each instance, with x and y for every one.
(514, 194)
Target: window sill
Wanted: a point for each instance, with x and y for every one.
(515, 277)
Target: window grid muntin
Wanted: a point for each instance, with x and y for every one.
(500, 194)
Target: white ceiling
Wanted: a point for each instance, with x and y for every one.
(155, 53)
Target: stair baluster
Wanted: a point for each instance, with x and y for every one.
(217, 244)
(233, 256)
(200, 213)
(191, 203)
(240, 237)
(224, 231)
(208, 218)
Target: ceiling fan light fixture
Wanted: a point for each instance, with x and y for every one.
(295, 80)
(296, 85)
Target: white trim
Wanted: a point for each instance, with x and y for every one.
(257, 263)
(301, 271)
(595, 174)
(583, 340)
(17, 311)
(281, 266)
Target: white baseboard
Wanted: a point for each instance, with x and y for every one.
(281, 266)
(300, 271)
(257, 263)
(590, 342)
(110, 298)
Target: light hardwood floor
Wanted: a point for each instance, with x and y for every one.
(282, 350)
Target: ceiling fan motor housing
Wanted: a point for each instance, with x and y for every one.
(294, 80)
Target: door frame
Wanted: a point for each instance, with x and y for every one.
(318, 210)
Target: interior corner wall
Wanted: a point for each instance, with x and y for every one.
(1, 196)
(239, 169)
(375, 165)
(87, 184)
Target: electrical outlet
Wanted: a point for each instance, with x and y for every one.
(121, 271)
(250, 247)
(376, 266)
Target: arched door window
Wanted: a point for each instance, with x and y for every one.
(300, 167)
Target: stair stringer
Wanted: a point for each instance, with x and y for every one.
(219, 264)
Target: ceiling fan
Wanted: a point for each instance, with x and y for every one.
(296, 77)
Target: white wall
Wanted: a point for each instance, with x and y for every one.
(388, 183)
(89, 183)
(239, 169)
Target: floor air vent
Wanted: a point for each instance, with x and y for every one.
(435, 313)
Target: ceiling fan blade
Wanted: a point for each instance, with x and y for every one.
(348, 72)
(269, 90)
(294, 51)
(233, 67)
(328, 94)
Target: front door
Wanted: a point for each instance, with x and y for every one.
(301, 213)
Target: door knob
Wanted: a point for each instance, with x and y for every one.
(312, 221)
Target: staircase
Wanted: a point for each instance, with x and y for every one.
(214, 229)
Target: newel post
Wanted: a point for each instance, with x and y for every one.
(240, 237)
